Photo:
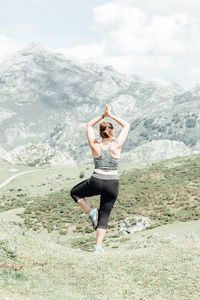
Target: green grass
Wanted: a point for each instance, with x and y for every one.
(55, 243)
(43, 181)
(5, 170)
(161, 263)
(165, 192)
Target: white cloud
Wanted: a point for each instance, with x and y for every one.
(8, 46)
(156, 39)
(84, 52)
(134, 40)
(166, 8)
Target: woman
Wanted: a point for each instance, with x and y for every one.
(104, 180)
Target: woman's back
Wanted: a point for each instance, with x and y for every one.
(106, 161)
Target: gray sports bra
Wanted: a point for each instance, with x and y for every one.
(105, 161)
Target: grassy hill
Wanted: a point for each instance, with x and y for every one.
(161, 263)
(47, 242)
(165, 191)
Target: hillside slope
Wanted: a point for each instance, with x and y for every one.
(165, 192)
(161, 263)
(46, 242)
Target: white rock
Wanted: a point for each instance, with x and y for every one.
(137, 223)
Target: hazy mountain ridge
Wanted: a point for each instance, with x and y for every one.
(157, 150)
(37, 154)
(45, 97)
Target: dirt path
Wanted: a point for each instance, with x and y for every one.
(15, 176)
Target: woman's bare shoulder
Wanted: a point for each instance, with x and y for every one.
(96, 150)
(114, 144)
(115, 150)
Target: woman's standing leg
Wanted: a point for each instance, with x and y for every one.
(106, 204)
(100, 236)
(107, 200)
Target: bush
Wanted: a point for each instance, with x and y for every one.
(81, 174)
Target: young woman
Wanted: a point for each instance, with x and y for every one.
(104, 180)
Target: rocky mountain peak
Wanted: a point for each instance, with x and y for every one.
(45, 97)
(34, 48)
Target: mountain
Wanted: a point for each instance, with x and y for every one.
(37, 154)
(47, 98)
(157, 150)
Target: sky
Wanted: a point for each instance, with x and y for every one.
(157, 39)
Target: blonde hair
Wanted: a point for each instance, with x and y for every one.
(106, 129)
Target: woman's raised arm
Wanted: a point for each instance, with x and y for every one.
(90, 131)
(119, 141)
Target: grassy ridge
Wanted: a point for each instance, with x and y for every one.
(165, 192)
(161, 263)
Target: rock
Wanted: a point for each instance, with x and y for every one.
(13, 170)
(189, 234)
(137, 223)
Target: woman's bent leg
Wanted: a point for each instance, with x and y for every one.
(86, 188)
(82, 202)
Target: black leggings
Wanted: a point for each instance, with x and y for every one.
(107, 188)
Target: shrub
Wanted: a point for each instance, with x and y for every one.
(81, 174)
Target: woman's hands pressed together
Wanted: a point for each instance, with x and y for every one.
(107, 111)
(119, 140)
